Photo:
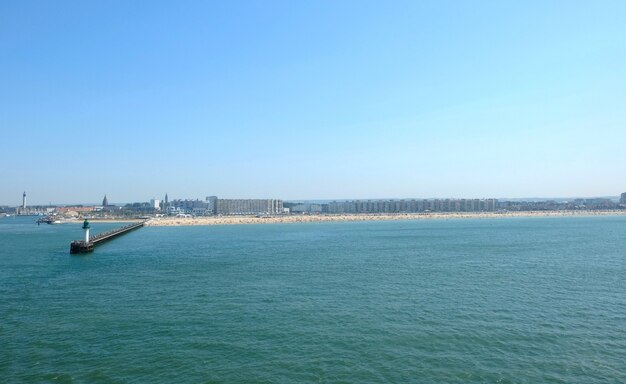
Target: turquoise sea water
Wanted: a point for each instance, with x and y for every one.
(511, 300)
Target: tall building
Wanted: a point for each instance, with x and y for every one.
(212, 201)
(105, 202)
(24, 200)
(248, 206)
(491, 204)
(155, 204)
(622, 199)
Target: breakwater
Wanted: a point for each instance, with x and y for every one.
(82, 246)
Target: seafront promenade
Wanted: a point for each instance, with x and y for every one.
(233, 220)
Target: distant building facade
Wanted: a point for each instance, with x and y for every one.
(248, 206)
(306, 208)
(552, 205)
(189, 207)
(622, 199)
(211, 205)
(405, 206)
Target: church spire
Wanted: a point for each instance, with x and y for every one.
(105, 202)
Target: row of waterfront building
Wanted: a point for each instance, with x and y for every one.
(452, 205)
(212, 205)
(400, 206)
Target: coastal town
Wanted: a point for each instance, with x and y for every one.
(216, 211)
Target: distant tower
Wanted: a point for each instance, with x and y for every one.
(24, 200)
(86, 228)
(105, 202)
(165, 201)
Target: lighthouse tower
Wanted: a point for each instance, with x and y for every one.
(86, 228)
(24, 200)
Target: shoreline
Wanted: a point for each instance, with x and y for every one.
(354, 217)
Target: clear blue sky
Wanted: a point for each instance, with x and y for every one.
(311, 100)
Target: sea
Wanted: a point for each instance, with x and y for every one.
(493, 300)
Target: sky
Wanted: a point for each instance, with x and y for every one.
(311, 100)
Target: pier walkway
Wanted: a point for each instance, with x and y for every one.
(80, 246)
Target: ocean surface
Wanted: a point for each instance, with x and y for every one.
(510, 300)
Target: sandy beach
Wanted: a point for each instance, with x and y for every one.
(234, 220)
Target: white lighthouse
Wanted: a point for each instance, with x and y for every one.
(86, 228)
